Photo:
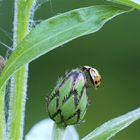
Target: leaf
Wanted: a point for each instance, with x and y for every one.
(56, 31)
(131, 3)
(43, 131)
(112, 127)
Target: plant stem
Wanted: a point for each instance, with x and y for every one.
(23, 11)
(2, 115)
(58, 132)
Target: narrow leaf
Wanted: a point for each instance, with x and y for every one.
(56, 31)
(112, 127)
(131, 3)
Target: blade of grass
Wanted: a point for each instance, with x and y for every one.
(112, 127)
(56, 31)
(131, 3)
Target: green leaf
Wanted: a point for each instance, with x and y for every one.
(112, 127)
(56, 31)
(131, 3)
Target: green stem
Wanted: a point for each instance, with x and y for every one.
(23, 11)
(2, 115)
(58, 132)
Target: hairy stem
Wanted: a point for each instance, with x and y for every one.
(58, 132)
(23, 12)
(2, 115)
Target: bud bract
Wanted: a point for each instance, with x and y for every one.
(68, 102)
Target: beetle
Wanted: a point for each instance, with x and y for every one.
(2, 59)
(93, 76)
(2, 63)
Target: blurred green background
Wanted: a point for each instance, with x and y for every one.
(114, 51)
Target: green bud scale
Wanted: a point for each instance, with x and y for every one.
(67, 104)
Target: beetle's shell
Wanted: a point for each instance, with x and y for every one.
(68, 102)
(2, 63)
(93, 76)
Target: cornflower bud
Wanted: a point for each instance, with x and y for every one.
(67, 104)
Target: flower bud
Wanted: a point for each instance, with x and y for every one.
(67, 104)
